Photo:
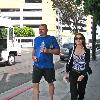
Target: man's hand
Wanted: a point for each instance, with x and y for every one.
(34, 58)
(66, 77)
(45, 50)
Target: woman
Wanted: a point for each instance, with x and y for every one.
(77, 67)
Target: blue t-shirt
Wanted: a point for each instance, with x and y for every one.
(44, 60)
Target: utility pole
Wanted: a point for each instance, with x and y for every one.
(94, 40)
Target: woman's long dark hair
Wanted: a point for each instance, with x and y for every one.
(83, 40)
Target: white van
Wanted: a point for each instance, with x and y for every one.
(8, 46)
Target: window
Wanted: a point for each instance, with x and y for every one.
(32, 9)
(98, 40)
(57, 19)
(32, 18)
(69, 45)
(33, 1)
(57, 27)
(18, 40)
(3, 44)
(90, 40)
(82, 30)
(15, 18)
(26, 40)
(81, 24)
(9, 10)
(66, 28)
(10, 33)
(32, 26)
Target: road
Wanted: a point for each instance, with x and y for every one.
(16, 75)
(13, 76)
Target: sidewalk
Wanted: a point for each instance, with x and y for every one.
(61, 88)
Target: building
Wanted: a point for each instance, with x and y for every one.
(29, 13)
(32, 13)
(22, 13)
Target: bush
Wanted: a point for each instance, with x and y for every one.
(24, 32)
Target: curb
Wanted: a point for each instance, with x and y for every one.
(17, 92)
(22, 90)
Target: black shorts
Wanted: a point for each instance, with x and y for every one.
(49, 75)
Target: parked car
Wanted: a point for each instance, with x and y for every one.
(89, 44)
(64, 51)
(98, 43)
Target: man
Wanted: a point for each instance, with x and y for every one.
(44, 48)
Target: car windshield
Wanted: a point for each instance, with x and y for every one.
(69, 45)
(98, 40)
(3, 43)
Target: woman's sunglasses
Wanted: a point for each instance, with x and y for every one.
(80, 38)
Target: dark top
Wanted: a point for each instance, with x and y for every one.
(69, 64)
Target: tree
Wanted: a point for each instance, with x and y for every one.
(3, 32)
(92, 7)
(71, 14)
(24, 32)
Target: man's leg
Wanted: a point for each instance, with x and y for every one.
(36, 91)
(37, 74)
(51, 90)
(49, 75)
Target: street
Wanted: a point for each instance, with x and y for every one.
(12, 76)
(17, 79)
(15, 75)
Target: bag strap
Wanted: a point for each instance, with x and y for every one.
(68, 60)
(70, 56)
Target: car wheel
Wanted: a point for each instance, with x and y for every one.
(11, 59)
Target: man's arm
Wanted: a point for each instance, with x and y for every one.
(52, 51)
(33, 57)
